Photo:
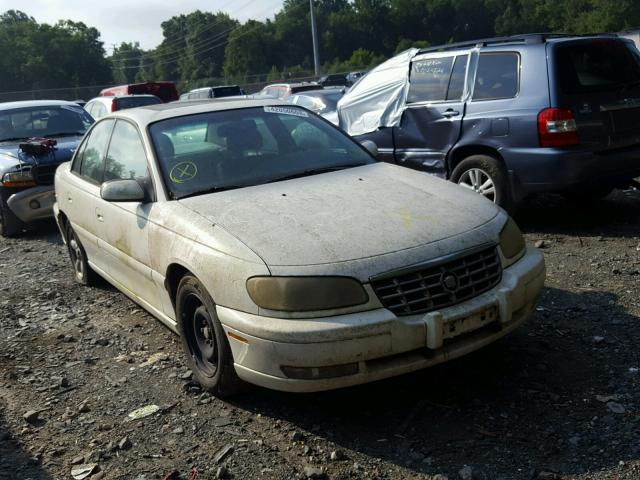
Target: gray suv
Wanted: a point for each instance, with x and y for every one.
(508, 117)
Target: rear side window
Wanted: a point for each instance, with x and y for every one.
(497, 76)
(92, 163)
(458, 75)
(595, 66)
(429, 79)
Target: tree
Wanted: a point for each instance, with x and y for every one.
(250, 51)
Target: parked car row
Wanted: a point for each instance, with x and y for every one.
(249, 226)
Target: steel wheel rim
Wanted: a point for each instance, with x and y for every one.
(75, 253)
(201, 336)
(480, 182)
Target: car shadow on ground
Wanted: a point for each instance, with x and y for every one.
(524, 404)
(616, 215)
(46, 230)
(15, 462)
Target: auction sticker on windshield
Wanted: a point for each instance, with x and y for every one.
(286, 111)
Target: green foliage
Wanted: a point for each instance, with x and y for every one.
(204, 48)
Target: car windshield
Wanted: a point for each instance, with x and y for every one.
(219, 92)
(132, 102)
(48, 121)
(229, 149)
(330, 101)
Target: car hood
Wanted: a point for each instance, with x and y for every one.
(11, 155)
(346, 215)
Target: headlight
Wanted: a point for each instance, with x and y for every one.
(511, 241)
(18, 179)
(299, 294)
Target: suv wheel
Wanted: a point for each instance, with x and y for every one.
(485, 175)
(10, 225)
(204, 340)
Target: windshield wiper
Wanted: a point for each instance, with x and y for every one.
(13, 139)
(315, 171)
(63, 134)
(208, 190)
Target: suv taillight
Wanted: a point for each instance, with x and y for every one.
(557, 128)
(113, 105)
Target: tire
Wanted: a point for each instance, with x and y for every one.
(10, 225)
(588, 196)
(475, 171)
(82, 272)
(204, 340)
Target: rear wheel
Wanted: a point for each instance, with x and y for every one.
(10, 225)
(486, 176)
(81, 270)
(204, 340)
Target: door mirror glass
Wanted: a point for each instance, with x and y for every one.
(122, 191)
(371, 147)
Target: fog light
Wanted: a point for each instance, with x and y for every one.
(315, 373)
(34, 204)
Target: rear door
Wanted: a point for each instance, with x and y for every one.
(79, 199)
(432, 120)
(598, 79)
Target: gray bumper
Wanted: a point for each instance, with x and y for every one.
(33, 204)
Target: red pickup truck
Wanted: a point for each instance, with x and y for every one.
(166, 91)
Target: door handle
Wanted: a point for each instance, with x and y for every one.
(450, 112)
(99, 215)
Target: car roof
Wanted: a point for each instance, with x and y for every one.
(35, 103)
(148, 114)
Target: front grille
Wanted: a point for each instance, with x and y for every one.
(423, 289)
(43, 174)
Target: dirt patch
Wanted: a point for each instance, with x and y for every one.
(559, 398)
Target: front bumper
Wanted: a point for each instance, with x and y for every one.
(32, 204)
(339, 351)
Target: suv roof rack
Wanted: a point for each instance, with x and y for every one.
(527, 38)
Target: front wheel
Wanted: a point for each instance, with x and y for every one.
(204, 340)
(486, 176)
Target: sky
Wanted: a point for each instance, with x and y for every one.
(135, 20)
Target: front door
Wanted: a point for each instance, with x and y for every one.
(126, 224)
(432, 120)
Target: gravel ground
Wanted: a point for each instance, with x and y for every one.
(558, 399)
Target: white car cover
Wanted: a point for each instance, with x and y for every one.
(378, 99)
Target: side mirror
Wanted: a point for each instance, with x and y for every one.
(371, 147)
(122, 191)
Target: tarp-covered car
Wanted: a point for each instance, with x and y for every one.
(251, 227)
(508, 117)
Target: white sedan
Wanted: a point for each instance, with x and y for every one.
(282, 253)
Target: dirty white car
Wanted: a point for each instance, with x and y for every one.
(282, 252)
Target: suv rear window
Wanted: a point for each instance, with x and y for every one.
(595, 66)
(497, 76)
